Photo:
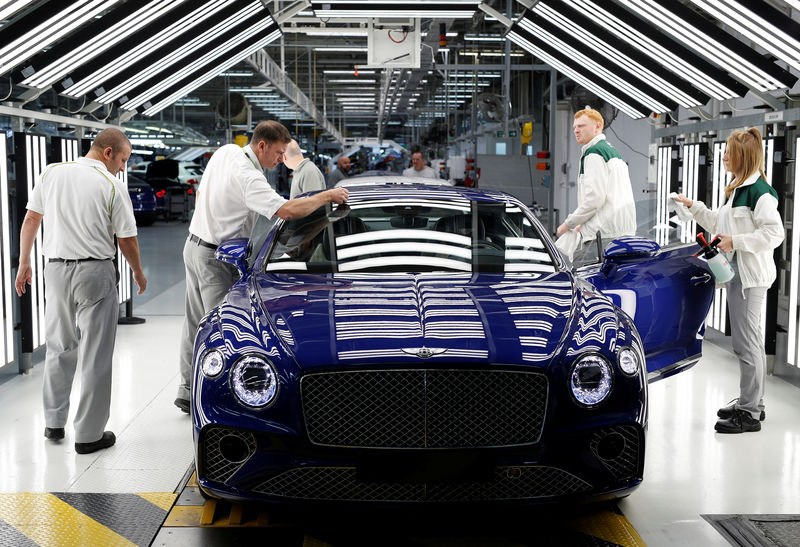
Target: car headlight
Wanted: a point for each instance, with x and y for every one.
(212, 363)
(628, 361)
(590, 380)
(254, 381)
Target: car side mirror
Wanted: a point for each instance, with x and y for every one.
(628, 249)
(234, 251)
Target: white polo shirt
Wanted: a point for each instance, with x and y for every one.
(231, 195)
(426, 172)
(83, 206)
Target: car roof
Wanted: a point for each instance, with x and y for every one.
(383, 189)
(389, 178)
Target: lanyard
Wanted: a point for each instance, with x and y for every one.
(251, 160)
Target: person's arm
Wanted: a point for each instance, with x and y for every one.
(30, 226)
(300, 207)
(595, 188)
(129, 246)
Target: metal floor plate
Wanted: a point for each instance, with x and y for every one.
(758, 530)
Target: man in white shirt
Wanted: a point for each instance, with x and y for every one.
(418, 168)
(85, 205)
(605, 196)
(231, 195)
(306, 177)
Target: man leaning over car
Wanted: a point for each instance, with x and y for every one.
(232, 193)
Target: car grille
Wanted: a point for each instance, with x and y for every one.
(433, 408)
(225, 451)
(625, 458)
(341, 484)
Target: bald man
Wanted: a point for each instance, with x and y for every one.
(342, 171)
(306, 176)
(85, 205)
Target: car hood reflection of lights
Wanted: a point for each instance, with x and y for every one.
(369, 318)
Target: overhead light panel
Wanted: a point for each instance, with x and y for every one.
(742, 62)
(451, 9)
(170, 95)
(563, 63)
(10, 8)
(773, 30)
(663, 50)
(209, 49)
(137, 56)
(99, 36)
(582, 43)
(42, 28)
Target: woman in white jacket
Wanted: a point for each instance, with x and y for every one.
(749, 227)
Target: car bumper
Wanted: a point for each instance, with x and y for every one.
(278, 466)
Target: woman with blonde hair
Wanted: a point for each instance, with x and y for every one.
(749, 227)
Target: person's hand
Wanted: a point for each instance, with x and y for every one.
(683, 200)
(23, 278)
(725, 243)
(338, 195)
(563, 229)
(141, 281)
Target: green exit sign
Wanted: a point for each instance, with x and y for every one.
(512, 133)
(499, 134)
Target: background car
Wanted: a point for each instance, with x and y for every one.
(176, 197)
(428, 344)
(143, 199)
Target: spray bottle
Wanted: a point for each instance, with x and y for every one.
(716, 261)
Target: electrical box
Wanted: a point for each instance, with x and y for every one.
(393, 45)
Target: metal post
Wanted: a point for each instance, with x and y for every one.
(551, 145)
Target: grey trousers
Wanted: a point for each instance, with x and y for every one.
(207, 282)
(81, 325)
(747, 339)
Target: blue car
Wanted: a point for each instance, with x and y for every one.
(429, 344)
(143, 199)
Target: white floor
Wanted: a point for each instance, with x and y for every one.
(690, 470)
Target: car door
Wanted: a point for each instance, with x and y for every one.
(667, 292)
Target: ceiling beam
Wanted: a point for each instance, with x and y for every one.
(270, 70)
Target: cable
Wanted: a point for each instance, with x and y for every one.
(79, 109)
(405, 35)
(10, 89)
(699, 112)
(672, 117)
(728, 101)
(628, 145)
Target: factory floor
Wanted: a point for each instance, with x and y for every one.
(141, 491)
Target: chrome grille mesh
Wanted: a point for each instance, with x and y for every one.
(429, 408)
(340, 483)
(215, 465)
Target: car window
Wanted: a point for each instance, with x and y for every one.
(411, 235)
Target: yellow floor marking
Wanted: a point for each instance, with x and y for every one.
(184, 515)
(192, 480)
(164, 500)
(611, 527)
(49, 522)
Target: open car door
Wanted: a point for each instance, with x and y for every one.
(667, 292)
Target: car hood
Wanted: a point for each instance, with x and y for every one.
(368, 319)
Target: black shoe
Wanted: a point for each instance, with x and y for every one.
(54, 433)
(183, 404)
(740, 422)
(727, 411)
(108, 439)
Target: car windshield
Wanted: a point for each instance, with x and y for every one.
(411, 235)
